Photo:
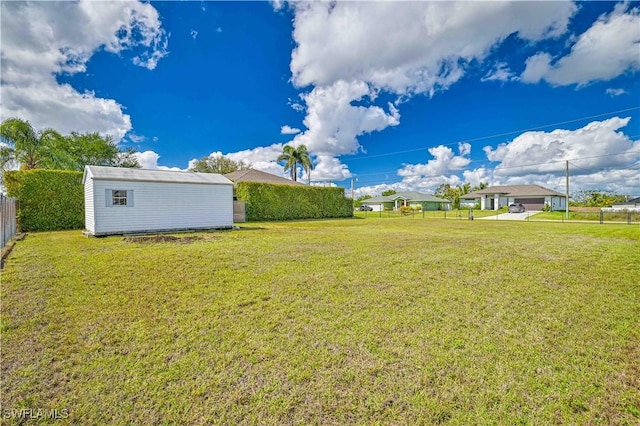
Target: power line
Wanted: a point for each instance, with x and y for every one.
(507, 167)
(494, 136)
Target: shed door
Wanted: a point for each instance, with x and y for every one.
(531, 204)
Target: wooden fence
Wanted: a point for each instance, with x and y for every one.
(8, 225)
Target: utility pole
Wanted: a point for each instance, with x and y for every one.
(567, 200)
(351, 189)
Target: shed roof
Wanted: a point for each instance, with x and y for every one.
(146, 175)
(514, 191)
(253, 175)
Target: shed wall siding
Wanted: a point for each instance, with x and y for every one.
(163, 206)
(89, 214)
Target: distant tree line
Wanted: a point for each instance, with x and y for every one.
(596, 198)
(21, 146)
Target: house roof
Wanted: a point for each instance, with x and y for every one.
(514, 191)
(253, 175)
(632, 201)
(409, 196)
(145, 175)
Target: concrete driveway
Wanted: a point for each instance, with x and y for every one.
(510, 216)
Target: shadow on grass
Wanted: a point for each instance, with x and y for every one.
(251, 228)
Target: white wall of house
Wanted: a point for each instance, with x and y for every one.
(556, 203)
(375, 207)
(485, 201)
(155, 206)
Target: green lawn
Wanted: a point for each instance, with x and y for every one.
(382, 321)
(623, 217)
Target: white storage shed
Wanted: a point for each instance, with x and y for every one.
(124, 201)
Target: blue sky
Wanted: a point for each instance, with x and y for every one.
(402, 95)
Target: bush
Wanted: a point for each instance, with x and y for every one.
(48, 199)
(405, 210)
(266, 201)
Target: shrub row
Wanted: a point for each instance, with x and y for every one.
(287, 202)
(49, 199)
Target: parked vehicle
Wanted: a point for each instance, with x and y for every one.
(516, 208)
(365, 208)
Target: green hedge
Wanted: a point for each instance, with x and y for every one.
(287, 202)
(49, 199)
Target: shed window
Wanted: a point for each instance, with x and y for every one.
(119, 197)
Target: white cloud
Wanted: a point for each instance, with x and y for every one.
(194, 34)
(444, 161)
(376, 190)
(135, 138)
(42, 39)
(219, 29)
(287, 130)
(327, 168)
(501, 72)
(606, 50)
(600, 156)
(149, 160)
(545, 152)
(334, 123)
(350, 52)
(412, 47)
(296, 106)
(615, 92)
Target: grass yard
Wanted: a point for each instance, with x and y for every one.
(376, 321)
(622, 217)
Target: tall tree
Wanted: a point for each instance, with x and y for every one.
(294, 156)
(388, 192)
(218, 164)
(48, 149)
(30, 148)
(127, 159)
(482, 185)
(90, 149)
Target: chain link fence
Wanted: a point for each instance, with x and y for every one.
(619, 216)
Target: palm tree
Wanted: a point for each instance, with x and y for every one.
(292, 157)
(30, 148)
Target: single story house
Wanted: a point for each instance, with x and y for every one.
(533, 197)
(630, 204)
(252, 175)
(124, 200)
(409, 198)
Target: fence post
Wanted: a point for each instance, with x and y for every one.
(628, 218)
(601, 217)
